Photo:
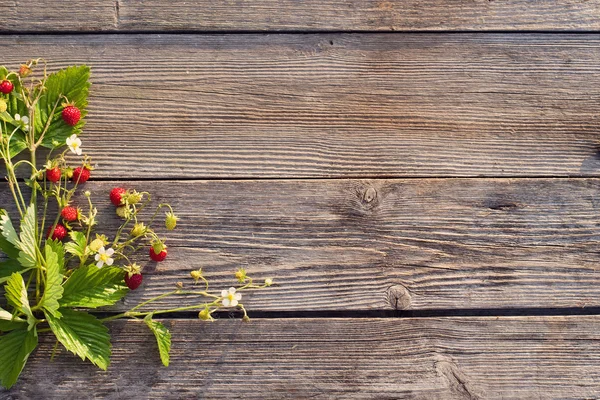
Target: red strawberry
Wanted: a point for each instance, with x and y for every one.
(116, 196)
(6, 86)
(133, 281)
(158, 257)
(71, 115)
(53, 174)
(60, 232)
(80, 175)
(70, 214)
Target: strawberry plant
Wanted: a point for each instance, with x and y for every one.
(55, 265)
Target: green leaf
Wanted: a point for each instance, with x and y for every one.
(58, 249)
(8, 237)
(53, 290)
(8, 322)
(27, 243)
(92, 287)
(7, 268)
(73, 83)
(82, 334)
(78, 245)
(163, 338)
(16, 294)
(15, 348)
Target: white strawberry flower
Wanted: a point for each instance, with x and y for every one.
(230, 297)
(104, 256)
(24, 121)
(74, 144)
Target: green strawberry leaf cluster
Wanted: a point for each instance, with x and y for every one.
(55, 268)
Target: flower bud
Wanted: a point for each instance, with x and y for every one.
(87, 193)
(171, 221)
(268, 282)
(245, 318)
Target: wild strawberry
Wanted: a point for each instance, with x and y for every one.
(171, 221)
(133, 281)
(70, 214)
(116, 196)
(80, 175)
(53, 174)
(60, 232)
(71, 115)
(24, 70)
(160, 256)
(6, 86)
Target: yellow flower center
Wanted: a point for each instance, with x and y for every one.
(231, 296)
(104, 257)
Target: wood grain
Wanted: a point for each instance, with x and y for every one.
(450, 358)
(335, 105)
(293, 15)
(380, 244)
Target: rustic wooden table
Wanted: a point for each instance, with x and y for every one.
(421, 178)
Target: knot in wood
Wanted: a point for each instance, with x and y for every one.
(369, 195)
(399, 297)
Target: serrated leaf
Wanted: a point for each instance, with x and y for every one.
(82, 334)
(58, 249)
(8, 322)
(92, 287)
(163, 338)
(78, 244)
(27, 243)
(15, 348)
(16, 294)
(53, 290)
(73, 83)
(8, 236)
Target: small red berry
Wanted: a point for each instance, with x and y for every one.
(116, 196)
(80, 175)
(6, 86)
(71, 115)
(158, 257)
(70, 214)
(60, 232)
(53, 174)
(133, 281)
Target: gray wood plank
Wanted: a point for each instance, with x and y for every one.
(449, 358)
(380, 244)
(335, 105)
(293, 15)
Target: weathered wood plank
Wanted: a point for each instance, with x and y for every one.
(450, 358)
(363, 244)
(335, 105)
(293, 15)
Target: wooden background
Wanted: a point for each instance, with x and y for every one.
(421, 179)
